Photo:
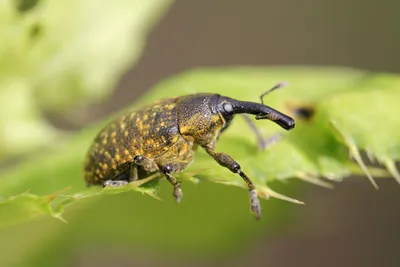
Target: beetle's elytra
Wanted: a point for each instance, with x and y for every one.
(163, 137)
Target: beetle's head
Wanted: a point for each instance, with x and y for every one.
(203, 115)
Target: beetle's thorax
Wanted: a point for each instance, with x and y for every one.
(199, 119)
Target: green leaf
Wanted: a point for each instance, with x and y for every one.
(343, 120)
(24, 207)
(371, 124)
(60, 54)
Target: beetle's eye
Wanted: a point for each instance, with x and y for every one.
(228, 108)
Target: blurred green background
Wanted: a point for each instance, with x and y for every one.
(67, 65)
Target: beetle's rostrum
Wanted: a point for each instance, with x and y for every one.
(162, 137)
(261, 111)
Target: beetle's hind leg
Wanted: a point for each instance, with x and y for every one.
(228, 162)
(262, 142)
(124, 178)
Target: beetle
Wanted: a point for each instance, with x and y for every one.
(162, 137)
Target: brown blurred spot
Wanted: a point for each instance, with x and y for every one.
(25, 5)
(304, 113)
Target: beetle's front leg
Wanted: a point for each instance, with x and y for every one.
(263, 143)
(228, 162)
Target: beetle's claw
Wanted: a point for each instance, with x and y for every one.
(255, 204)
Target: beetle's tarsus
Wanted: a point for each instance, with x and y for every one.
(255, 204)
(114, 183)
(178, 193)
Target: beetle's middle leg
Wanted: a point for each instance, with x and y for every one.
(168, 170)
(146, 163)
(228, 162)
(263, 143)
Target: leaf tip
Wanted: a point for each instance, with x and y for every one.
(58, 216)
(354, 153)
(53, 196)
(357, 157)
(309, 178)
(266, 192)
(391, 167)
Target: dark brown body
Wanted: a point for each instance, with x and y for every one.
(162, 138)
(163, 132)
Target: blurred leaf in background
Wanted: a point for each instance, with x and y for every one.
(60, 54)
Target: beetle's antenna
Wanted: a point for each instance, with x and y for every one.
(277, 86)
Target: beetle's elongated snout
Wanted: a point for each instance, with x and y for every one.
(286, 123)
(279, 118)
(264, 112)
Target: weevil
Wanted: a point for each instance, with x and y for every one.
(162, 138)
